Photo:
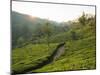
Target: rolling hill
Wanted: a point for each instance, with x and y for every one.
(35, 39)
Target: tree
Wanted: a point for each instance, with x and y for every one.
(92, 22)
(74, 35)
(26, 32)
(47, 31)
(20, 41)
(82, 19)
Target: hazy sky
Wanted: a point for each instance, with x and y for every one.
(56, 12)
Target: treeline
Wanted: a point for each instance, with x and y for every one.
(26, 29)
(86, 23)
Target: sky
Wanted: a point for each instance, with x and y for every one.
(55, 12)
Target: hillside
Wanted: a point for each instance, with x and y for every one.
(25, 27)
(36, 39)
(79, 55)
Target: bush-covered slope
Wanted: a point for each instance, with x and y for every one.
(33, 47)
(79, 55)
(30, 55)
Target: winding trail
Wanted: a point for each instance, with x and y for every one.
(56, 54)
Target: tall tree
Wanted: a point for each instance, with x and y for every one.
(74, 35)
(82, 19)
(47, 31)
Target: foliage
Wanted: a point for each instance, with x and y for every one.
(32, 37)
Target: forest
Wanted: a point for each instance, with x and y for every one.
(37, 44)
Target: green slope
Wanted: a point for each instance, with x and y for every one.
(80, 50)
(79, 55)
(30, 55)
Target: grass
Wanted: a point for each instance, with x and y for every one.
(30, 55)
(79, 55)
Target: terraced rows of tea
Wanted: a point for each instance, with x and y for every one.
(41, 45)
